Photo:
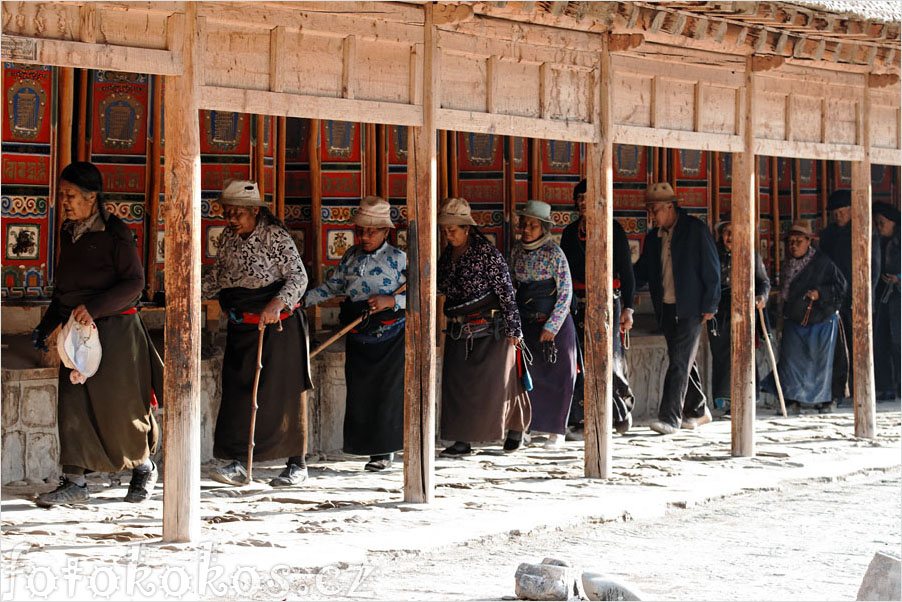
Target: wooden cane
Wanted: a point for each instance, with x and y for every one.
(773, 362)
(254, 406)
(349, 327)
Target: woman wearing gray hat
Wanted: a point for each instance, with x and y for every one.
(482, 394)
(544, 294)
(367, 276)
(259, 279)
(812, 291)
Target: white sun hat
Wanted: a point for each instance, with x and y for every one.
(79, 349)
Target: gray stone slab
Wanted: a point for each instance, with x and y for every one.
(883, 579)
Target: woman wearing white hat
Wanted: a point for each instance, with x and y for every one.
(482, 395)
(259, 279)
(544, 295)
(368, 274)
(106, 421)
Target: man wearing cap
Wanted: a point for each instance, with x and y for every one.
(680, 264)
(812, 290)
(259, 279)
(573, 243)
(836, 243)
(368, 277)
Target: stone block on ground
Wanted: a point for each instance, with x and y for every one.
(39, 403)
(598, 586)
(42, 456)
(10, 404)
(883, 579)
(544, 582)
(13, 456)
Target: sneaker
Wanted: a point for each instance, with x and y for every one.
(457, 450)
(67, 493)
(292, 475)
(234, 473)
(378, 463)
(141, 486)
(693, 422)
(512, 445)
(624, 426)
(825, 408)
(574, 433)
(659, 426)
(554, 442)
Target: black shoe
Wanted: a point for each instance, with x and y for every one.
(624, 426)
(512, 445)
(290, 476)
(457, 450)
(825, 408)
(67, 493)
(141, 486)
(378, 463)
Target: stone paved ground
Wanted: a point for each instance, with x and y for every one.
(320, 540)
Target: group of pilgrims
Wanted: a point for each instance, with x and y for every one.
(512, 360)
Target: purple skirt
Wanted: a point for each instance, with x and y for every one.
(553, 383)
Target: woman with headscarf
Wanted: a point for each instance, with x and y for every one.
(887, 344)
(259, 280)
(544, 293)
(719, 331)
(483, 396)
(105, 424)
(368, 276)
(812, 292)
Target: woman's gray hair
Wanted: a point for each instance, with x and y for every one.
(546, 227)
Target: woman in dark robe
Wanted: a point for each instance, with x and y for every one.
(482, 393)
(107, 423)
(812, 292)
(259, 279)
(368, 276)
(573, 243)
(544, 292)
(719, 331)
(887, 344)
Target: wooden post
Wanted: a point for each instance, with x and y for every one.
(259, 154)
(823, 191)
(152, 219)
(599, 262)
(64, 141)
(83, 150)
(862, 303)
(535, 169)
(775, 215)
(794, 174)
(382, 133)
(280, 168)
(419, 369)
(510, 196)
(181, 416)
(453, 179)
(742, 356)
(716, 176)
(443, 161)
(370, 165)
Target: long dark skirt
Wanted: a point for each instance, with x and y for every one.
(107, 424)
(887, 345)
(721, 347)
(284, 377)
(806, 361)
(552, 384)
(374, 409)
(482, 396)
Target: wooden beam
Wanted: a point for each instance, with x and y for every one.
(742, 218)
(660, 137)
(862, 302)
(514, 125)
(419, 369)
(599, 275)
(37, 51)
(152, 219)
(182, 383)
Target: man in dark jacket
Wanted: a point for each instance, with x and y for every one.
(680, 264)
(836, 243)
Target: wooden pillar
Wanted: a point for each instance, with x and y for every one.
(823, 192)
(181, 414)
(382, 133)
(742, 356)
(775, 215)
(83, 151)
(716, 178)
(64, 140)
(370, 165)
(419, 369)
(259, 154)
(152, 219)
(443, 164)
(599, 288)
(535, 169)
(280, 168)
(862, 303)
(510, 196)
(453, 168)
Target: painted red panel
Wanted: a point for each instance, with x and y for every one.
(558, 193)
(807, 203)
(123, 178)
(339, 142)
(881, 178)
(629, 200)
(522, 192)
(482, 191)
(842, 174)
(397, 185)
(560, 157)
(726, 169)
(726, 203)
(692, 197)
(26, 169)
(341, 184)
(691, 164)
(630, 163)
(27, 100)
(225, 133)
(479, 152)
(297, 183)
(296, 135)
(397, 145)
(119, 113)
(214, 175)
(807, 173)
(521, 163)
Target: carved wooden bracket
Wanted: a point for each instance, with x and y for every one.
(766, 62)
(625, 41)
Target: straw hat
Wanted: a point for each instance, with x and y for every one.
(374, 212)
(800, 226)
(660, 192)
(537, 209)
(455, 211)
(242, 193)
(79, 347)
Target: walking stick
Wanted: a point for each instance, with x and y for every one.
(773, 362)
(250, 441)
(349, 327)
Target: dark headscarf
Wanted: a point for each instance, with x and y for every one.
(839, 198)
(887, 211)
(87, 178)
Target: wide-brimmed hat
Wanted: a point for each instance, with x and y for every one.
(800, 226)
(242, 193)
(455, 211)
(537, 209)
(79, 348)
(374, 212)
(660, 192)
(887, 211)
(839, 198)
